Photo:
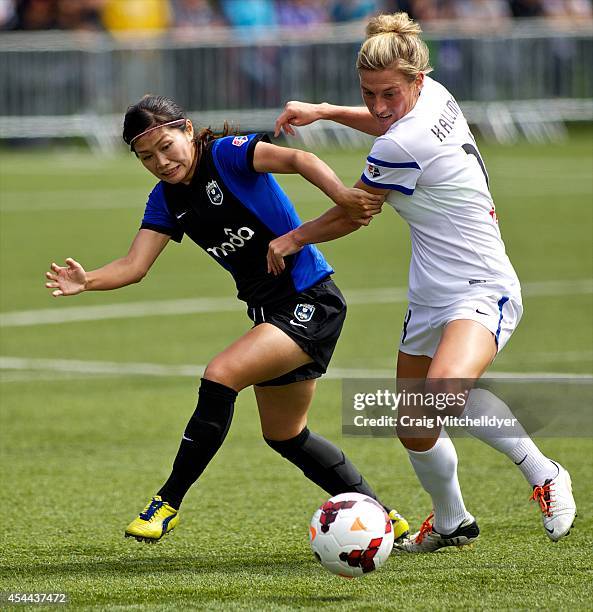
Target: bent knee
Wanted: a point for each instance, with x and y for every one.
(220, 371)
(417, 444)
(281, 432)
(448, 371)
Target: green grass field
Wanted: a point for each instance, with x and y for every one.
(88, 433)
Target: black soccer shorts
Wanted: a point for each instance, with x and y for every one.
(314, 320)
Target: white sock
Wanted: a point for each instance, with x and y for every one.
(436, 469)
(512, 441)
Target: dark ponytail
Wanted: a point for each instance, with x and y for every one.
(206, 135)
(152, 111)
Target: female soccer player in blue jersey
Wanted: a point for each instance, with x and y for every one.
(218, 192)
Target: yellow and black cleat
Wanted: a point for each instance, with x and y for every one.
(155, 521)
(401, 529)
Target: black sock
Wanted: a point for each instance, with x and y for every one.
(323, 463)
(202, 438)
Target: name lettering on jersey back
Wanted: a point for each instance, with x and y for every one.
(235, 240)
(444, 126)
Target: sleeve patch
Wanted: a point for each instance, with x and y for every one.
(389, 166)
(239, 141)
(373, 170)
(230, 156)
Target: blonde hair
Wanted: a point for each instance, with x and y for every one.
(393, 41)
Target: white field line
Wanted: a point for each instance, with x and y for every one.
(71, 314)
(79, 200)
(385, 295)
(552, 356)
(10, 376)
(112, 368)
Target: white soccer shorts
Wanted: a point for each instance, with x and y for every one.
(423, 325)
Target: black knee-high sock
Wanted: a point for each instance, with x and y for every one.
(323, 463)
(203, 436)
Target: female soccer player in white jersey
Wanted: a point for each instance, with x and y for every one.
(464, 295)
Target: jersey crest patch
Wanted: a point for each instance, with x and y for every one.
(240, 140)
(214, 192)
(373, 170)
(304, 312)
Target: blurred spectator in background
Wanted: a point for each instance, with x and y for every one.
(195, 14)
(527, 8)
(302, 13)
(257, 65)
(446, 9)
(485, 11)
(255, 13)
(7, 14)
(551, 8)
(122, 16)
(79, 14)
(420, 10)
(567, 8)
(435, 10)
(36, 14)
(57, 14)
(352, 10)
(299, 66)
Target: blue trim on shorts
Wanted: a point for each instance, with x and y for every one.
(503, 300)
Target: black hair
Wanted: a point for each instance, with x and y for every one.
(151, 111)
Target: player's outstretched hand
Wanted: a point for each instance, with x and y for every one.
(69, 280)
(360, 205)
(278, 249)
(296, 114)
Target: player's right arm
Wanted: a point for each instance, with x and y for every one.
(73, 279)
(297, 114)
(332, 224)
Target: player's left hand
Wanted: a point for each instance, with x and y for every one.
(278, 249)
(360, 205)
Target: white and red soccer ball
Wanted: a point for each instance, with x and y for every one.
(351, 535)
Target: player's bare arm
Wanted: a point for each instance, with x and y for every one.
(297, 114)
(332, 224)
(359, 202)
(373, 190)
(72, 279)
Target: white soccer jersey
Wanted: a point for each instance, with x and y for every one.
(439, 185)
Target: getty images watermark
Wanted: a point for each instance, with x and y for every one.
(424, 409)
(506, 407)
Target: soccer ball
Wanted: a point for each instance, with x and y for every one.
(351, 535)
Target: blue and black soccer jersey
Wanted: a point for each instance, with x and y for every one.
(233, 213)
